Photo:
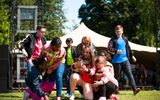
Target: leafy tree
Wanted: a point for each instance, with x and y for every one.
(5, 25)
(136, 16)
(50, 14)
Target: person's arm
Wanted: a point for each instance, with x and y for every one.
(58, 62)
(111, 47)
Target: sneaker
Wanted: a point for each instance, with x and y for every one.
(113, 97)
(67, 95)
(136, 91)
(72, 97)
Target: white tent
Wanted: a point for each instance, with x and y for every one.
(97, 39)
(146, 55)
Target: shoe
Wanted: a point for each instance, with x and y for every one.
(67, 95)
(136, 91)
(113, 97)
(72, 97)
(58, 98)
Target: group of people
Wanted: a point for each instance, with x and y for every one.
(84, 68)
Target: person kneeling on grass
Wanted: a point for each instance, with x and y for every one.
(104, 83)
(37, 88)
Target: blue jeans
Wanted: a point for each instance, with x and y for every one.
(126, 67)
(67, 75)
(29, 67)
(57, 76)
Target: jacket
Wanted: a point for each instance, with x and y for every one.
(29, 42)
(34, 80)
(112, 46)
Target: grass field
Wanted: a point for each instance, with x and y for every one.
(124, 95)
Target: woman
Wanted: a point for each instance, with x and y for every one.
(56, 55)
(86, 68)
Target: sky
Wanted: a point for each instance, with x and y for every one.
(70, 9)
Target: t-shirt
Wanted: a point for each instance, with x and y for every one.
(70, 60)
(120, 45)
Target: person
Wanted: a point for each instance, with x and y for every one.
(31, 45)
(121, 52)
(86, 67)
(104, 83)
(86, 42)
(70, 58)
(37, 88)
(55, 54)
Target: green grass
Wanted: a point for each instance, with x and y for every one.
(124, 95)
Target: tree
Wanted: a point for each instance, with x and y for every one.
(136, 16)
(50, 14)
(5, 25)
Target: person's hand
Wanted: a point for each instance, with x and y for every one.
(134, 59)
(119, 51)
(83, 68)
(46, 97)
(96, 84)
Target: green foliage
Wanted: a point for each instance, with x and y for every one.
(50, 14)
(136, 16)
(5, 25)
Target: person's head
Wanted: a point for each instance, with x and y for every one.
(88, 55)
(41, 30)
(56, 44)
(105, 54)
(69, 42)
(119, 30)
(100, 62)
(41, 63)
(86, 41)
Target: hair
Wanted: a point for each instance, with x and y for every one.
(91, 54)
(106, 54)
(119, 27)
(100, 58)
(40, 26)
(69, 40)
(39, 61)
(86, 38)
(56, 41)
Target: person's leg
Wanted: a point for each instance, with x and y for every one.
(59, 79)
(87, 91)
(29, 67)
(75, 80)
(127, 70)
(117, 73)
(117, 70)
(34, 95)
(110, 89)
(67, 77)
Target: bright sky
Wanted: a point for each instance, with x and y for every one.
(70, 9)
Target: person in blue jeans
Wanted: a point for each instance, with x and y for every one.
(70, 58)
(55, 54)
(32, 45)
(121, 52)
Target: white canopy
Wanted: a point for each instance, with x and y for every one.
(97, 39)
(146, 55)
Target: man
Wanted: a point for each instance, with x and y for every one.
(121, 52)
(32, 45)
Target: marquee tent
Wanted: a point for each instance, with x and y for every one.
(144, 54)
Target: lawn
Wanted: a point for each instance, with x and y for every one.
(124, 95)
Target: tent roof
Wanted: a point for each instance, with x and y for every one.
(97, 39)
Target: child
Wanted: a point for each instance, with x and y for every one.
(37, 88)
(104, 83)
(70, 58)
